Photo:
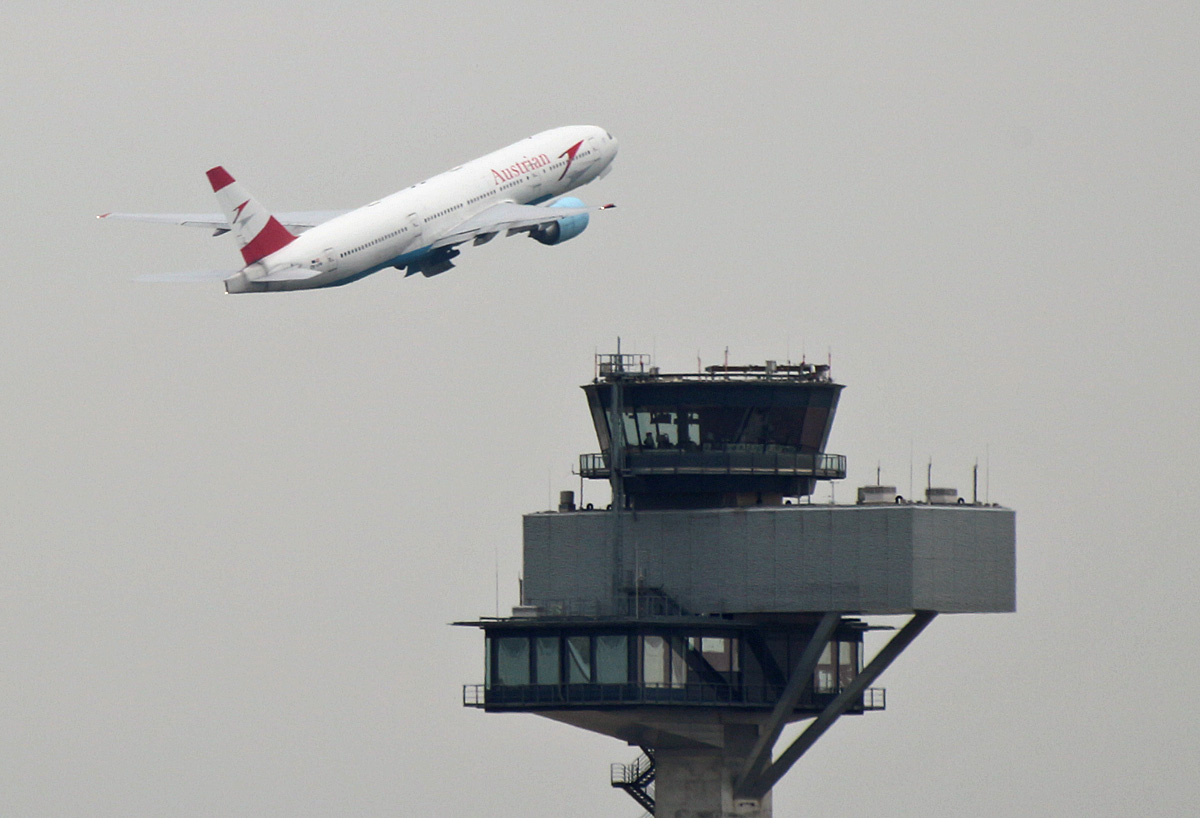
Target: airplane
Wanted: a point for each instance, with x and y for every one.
(517, 189)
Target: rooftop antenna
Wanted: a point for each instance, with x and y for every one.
(929, 475)
(975, 483)
(878, 471)
(987, 473)
(496, 562)
(910, 468)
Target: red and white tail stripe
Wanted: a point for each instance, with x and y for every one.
(259, 234)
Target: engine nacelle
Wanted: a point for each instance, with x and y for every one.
(565, 228)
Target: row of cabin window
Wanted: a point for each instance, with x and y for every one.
(443, 212)
(481, 197)
(361, 247)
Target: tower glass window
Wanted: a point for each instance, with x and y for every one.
(579, 659)
(848, 663)
(512, 661)
(548, 668)
(825, 681)
(719, 652)
(678, 661)
(612, 659)
(654, 673)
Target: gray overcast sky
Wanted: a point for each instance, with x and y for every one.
(235, 527)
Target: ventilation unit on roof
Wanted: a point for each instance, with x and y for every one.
(941, 497)
(874, 495)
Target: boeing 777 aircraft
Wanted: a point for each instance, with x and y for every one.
(417, 229)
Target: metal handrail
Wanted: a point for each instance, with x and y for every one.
(717, 462)
(875, 698)
(618, 365)
(619, 773)
(691, 694)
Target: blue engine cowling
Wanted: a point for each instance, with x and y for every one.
(563, 229)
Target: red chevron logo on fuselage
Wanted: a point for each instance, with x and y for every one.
(570, 154)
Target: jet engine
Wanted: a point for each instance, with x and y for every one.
(563, 229)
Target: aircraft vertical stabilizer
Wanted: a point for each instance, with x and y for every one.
(259, 234)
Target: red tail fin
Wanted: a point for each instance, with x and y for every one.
(259, 234)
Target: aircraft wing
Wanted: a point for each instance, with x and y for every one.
(297, 221)
(506, 216)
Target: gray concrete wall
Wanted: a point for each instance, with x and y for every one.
(698, 783)
(864, 559)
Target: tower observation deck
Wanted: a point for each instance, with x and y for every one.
(730, 436)
(709, 605)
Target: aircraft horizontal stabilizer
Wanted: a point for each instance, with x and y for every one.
(190, 275)
(298, 221)
(285, 274)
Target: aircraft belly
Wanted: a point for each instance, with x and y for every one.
(314, 283)
(404, 259)
(317, 283)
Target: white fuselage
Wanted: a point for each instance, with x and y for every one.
(401, 229)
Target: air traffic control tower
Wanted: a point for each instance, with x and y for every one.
(712, 603)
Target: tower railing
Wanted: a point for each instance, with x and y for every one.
(608, 365)
(680, 462)
(691, 694)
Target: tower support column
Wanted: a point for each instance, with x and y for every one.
(697, 782)
(764, 781)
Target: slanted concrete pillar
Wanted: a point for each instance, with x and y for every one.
(698, 782)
